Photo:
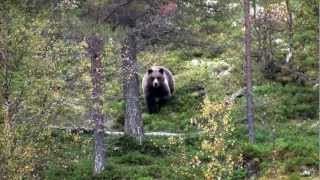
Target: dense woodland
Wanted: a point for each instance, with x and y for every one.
(245, 105)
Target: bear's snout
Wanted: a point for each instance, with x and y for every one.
(155, 83)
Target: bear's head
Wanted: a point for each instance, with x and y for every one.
(156, 77)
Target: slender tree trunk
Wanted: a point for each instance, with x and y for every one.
(9, 142)
(254, 4)
(264, 41)
(8, 128)
(133, 125)
(319, 75)
(8, 112)
(248, 72)
(95, 47)
(290, 27)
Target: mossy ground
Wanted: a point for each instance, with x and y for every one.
(286, 134)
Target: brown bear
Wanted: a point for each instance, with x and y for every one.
(158, 85)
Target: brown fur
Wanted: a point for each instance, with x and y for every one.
(157, 95)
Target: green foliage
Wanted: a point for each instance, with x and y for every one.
(80, 170)
(213, 159)
(275, 102)
(305, 33)
(217, 128)
(126, 160)
(287, 147)
(34, 60)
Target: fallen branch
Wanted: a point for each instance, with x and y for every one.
(85, 130)
(237, 94)
(285, 73)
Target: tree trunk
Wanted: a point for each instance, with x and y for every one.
(8, 128)
(290, 26)
(133, 125)
(95, 47)
(248, 72)
(319, 65)
(254, 4)
(8, 112)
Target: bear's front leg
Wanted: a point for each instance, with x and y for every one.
(151, 104)
(163, 101)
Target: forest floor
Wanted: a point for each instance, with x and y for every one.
(285, 149)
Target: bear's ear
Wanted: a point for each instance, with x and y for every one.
(161, 70)
(150, 71)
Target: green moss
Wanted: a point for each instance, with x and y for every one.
(294, 176)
